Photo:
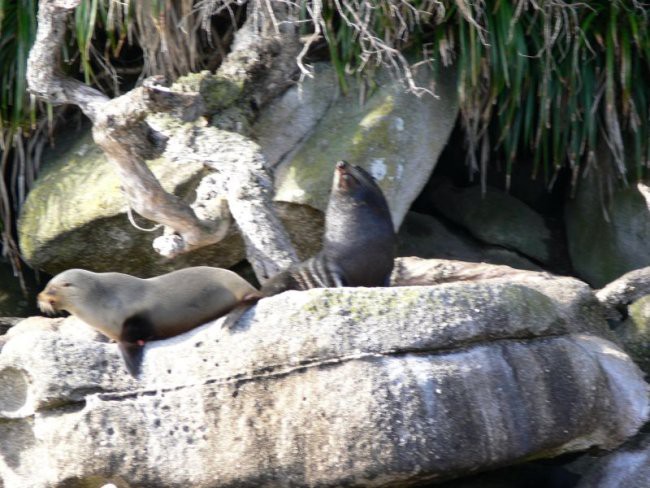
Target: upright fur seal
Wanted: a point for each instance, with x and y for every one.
(132, 310)
(359, 242)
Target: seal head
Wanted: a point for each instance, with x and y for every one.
(65, 292)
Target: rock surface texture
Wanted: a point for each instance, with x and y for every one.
(75, 216)
(628, 467)
(426, 236)
(328, 387)
(634, 333)
(621, 245)
(393, 134)
(495, 218)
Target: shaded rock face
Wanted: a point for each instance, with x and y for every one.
(495, 218)
(622, 243)
(426, 236)
(533, 474)
(328, 387)
(12, 301)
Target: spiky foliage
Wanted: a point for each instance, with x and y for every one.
(17, 115)
(551, 78)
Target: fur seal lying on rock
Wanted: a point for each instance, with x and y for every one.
(359, 242)
(133, 311)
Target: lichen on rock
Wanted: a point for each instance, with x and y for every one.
(330, 387)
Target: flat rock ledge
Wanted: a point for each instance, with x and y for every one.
(328, 387)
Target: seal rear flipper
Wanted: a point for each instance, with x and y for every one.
(132, 355)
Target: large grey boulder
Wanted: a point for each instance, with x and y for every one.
(328, 387)
(75, 216)
(495, 218)
(602, 249)
(392, 133)
(426, 236)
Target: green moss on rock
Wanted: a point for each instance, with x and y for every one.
(602, 250)
(635, 333)
(218, 91)
(75, 216)
(394, 135)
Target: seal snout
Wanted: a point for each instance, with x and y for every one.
(342, 176)
(47, 301)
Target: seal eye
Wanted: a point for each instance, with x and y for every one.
(65, 285)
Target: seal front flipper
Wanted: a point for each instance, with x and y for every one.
(132, 355)
(236, 313)
(135, 331)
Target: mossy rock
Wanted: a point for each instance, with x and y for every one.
(635, 333)
(75, 216)
(394, 135)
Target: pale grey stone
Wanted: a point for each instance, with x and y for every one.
(328, 387)
(392, 133)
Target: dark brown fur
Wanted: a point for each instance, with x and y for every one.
(359, 242)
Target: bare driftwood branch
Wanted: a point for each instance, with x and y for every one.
(43, 76)
(261, 65)
(242, 179)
